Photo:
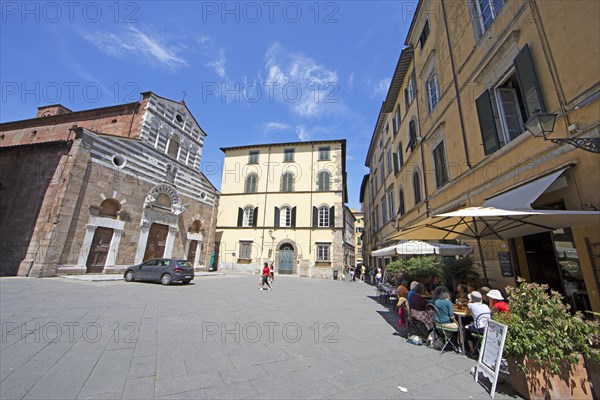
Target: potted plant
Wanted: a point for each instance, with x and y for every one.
(546, 344)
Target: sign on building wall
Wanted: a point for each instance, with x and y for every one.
(505, 264)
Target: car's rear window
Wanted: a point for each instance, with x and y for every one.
(184, 264)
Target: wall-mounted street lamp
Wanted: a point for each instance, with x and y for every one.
(541, 125)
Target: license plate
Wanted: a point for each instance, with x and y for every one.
(188, 277)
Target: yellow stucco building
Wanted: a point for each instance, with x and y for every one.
(451, 134)
(284, 203)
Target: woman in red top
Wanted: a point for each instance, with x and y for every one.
(265, 277)
(496, 301)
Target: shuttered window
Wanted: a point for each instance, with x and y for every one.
(487, 124)
(441, 169)
(528, 83)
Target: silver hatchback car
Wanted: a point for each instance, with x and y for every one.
(163, 270)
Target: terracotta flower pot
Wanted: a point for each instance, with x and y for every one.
(537, 383)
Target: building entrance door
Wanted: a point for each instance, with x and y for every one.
(191, 256)
(286, 259)
(99, 250)
(542, 262)
(157, 238)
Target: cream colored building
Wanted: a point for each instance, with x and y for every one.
(472, 74)
(359, 227)
(283, 202)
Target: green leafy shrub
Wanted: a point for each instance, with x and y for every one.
(541, 327)
(422, 268)
(394, 272)
(461, 270)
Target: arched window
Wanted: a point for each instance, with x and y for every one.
(412, 135)
(417, 187)
(287, 182)
(196, 225)
(173, 147)
(109, 208)
(324, 181)
(248, 216)
(323, 216)
(251, 181)
(163, 200)
(402, 206)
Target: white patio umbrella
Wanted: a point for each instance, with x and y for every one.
(493, 223)
(418, 247)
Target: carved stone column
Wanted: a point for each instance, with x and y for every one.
(170, 241)
(114, 248)
(86, 245)
(142, 241)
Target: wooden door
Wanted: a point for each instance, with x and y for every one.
(157, 239)
(286, 260)
(191, 256)
(99, 250)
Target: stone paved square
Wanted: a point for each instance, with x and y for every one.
(217, 338)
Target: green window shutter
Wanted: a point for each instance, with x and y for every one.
(530, 88)
(487, 124)
(240, 217)
(277, 213)
(293, 217)
(315, 217)
(332, 217)
(255, 217)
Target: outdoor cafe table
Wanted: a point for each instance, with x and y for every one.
(460, 314)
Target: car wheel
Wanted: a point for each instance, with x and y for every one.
(166, 279)
(129, 276)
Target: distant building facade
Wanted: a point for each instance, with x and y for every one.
(96, 190)
(284, 203)
(451, 134)
(359, 227)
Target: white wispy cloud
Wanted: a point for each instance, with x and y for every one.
(350, 81)
(154, 48)
(301, 132)
(275, 126)
(218, 63)
(300, 81)
(379, 89)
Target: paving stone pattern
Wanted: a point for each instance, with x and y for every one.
(218, 338)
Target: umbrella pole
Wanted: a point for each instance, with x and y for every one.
(485, 278)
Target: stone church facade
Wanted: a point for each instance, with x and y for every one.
(96, 190)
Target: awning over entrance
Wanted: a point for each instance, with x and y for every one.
(521, 197)
(417, 247)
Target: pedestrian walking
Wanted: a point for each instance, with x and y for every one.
(371, 274)
(352, 274)
(271, 273)
(363, 271)
(265, 277)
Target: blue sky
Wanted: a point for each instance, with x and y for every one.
(254, 72)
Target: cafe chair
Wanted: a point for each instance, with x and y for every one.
(442, 332)
(478, 337)
(393, 299)
(414, 326)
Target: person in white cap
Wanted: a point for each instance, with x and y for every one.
(497, 303)
(475, 309)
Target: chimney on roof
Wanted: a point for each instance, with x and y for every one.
(54, 109)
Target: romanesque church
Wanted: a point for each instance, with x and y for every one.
(96, 190)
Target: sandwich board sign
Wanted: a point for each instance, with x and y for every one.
(490, 355)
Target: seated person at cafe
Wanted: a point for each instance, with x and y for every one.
(403, 289)
(437, 281)
(418, 306)
(497, 303)
(461, 294)
(413, 284)
(484, 291)
(475, 309)
(444, 314)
